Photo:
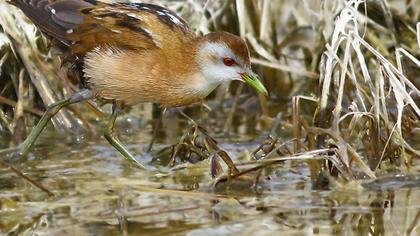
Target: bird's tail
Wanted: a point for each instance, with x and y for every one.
(54, 17)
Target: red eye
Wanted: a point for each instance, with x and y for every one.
(228, 61)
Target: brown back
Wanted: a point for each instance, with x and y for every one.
(84, 25)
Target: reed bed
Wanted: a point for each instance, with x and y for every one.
(345, 74)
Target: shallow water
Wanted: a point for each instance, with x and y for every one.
(99, 193)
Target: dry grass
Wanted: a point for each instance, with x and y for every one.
(350, 78)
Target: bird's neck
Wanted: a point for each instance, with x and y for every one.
(184, 71)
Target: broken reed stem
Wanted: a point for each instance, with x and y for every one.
(297, 132)
(19, 104)
(19, 119)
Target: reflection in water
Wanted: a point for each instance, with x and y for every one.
(98, 193)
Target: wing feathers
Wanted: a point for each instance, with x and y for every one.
(83, 25)
(53, 18)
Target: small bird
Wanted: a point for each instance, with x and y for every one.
(131, 53)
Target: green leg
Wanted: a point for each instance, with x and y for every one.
(155, 130)
(49, 113)
(182, 113)
(109, 135)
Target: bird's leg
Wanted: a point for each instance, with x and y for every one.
(155, 130)
(182, 113)
(115, 142)
(80, 96)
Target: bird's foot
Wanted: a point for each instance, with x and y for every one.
(122, 150)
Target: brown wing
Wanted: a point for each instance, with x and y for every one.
(84, 25)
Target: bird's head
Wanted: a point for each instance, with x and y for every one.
(225, 57)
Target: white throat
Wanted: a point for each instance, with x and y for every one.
(202, 86)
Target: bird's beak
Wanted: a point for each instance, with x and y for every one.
(253, 80)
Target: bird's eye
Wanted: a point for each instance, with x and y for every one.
(228, 61)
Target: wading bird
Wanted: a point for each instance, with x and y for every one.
(131, 53)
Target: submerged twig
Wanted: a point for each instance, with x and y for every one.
(27, 178)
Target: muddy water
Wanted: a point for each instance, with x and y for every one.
(99, 193)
